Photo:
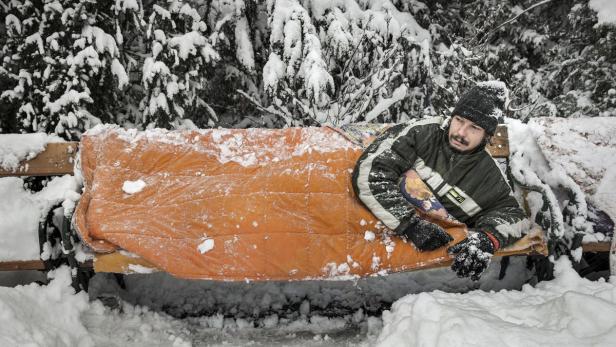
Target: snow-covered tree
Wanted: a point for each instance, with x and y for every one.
(289, 62)
(128, 27)
(174, 76)
(62, 67)
(334, 62)
(240, 33)
(553, 55)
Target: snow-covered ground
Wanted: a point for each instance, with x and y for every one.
(567, 311)
(430, 308)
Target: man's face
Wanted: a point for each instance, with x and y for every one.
(464, 135)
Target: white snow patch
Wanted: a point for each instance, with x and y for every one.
(21, 211)
(206, 246)
(133, 187)
(50, 315)
(585, 311)
(15, 148)
(606, 10)
(140, 269)
(397, 95)
(369, 235)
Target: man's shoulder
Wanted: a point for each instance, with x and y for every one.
(431, 124)
(437, 122)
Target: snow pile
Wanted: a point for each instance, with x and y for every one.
(53, 315)
(48, 315)
(606, 10)
(573, 161)
(566, 311)
(15, 148)
(585, 149)
(21, 212)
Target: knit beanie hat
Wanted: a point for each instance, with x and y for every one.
(483, 104)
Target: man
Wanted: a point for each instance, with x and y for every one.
(451, 159)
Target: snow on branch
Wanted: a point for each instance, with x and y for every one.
(294, 42)
(173, 75)
(348, 58)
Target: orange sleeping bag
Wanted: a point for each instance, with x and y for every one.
(223, 204)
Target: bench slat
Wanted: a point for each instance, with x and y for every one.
(597, 246)
(118, 262)
(22, 265)
(56, 159)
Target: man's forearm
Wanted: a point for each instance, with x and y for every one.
(506, 224)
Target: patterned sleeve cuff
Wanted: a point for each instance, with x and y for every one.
(494, 240)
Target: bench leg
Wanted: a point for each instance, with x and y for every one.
(613, 256)
(81, 277)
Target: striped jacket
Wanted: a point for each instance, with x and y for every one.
(470, 186)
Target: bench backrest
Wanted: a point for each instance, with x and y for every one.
(57, 159)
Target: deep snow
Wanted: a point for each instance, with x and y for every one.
(568, 311)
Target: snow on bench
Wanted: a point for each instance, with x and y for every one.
(21, 210)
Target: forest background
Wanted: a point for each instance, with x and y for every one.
(69, 65)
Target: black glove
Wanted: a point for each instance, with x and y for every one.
(425, 235)
(473, 254)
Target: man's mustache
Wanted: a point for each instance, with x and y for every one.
(459, 139)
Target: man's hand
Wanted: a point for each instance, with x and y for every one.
(426, 236)
(473, 254)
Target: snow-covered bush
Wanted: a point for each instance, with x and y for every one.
(63, 68)
(289, 62)
(334, 62)
(174, 76)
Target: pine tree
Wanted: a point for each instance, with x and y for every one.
(333, 63)
(55, 62)
(174, 75)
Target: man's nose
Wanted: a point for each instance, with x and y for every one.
(462, 131)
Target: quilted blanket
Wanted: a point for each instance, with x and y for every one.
(239, 204)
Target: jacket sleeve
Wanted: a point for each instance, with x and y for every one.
(377, 173)
(505, 219)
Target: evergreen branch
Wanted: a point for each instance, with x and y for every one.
(361, 39)
(258, 105)
(376, 68)
(489, 34)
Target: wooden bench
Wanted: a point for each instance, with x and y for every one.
(58, 159)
